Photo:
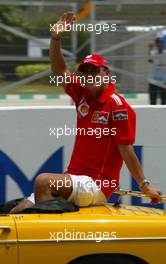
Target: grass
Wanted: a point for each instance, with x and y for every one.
(34, 88)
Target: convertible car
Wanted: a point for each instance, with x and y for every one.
(101, 234)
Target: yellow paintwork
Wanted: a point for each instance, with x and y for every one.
(8, 241)
(38, 241)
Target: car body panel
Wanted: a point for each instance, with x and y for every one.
(8, 240)
(137, 231)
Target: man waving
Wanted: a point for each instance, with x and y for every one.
(94, 169)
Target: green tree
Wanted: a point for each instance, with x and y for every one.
(12, 16)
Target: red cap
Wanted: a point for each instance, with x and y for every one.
(96, 60)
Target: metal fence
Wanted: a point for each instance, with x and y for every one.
(126, 48)
(137, 23)
(31, 46)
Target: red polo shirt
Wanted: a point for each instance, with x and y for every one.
(102, 124)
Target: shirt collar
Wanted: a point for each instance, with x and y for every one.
(106, 93)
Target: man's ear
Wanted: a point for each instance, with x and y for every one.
(107, 71)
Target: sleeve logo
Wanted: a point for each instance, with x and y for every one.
(120, 115)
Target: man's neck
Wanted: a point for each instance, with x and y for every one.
(99, 92)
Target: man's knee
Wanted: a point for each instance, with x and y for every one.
(42, 181)
(49, 181)
(54, 184)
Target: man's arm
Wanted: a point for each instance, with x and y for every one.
(20, 207)
(57, 60)
(133, 164)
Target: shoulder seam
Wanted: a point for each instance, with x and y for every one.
(116, 99)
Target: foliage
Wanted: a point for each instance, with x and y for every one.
(12, 16)
(27, 70)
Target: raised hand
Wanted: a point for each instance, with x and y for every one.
(62, 25)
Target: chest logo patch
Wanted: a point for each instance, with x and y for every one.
(120, 115)
(83, 108)
(100, 117)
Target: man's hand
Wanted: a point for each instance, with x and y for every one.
(62, 25)
(135, 169)
(153, 193)
(58, 64)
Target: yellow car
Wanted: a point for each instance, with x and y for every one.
(100, 234)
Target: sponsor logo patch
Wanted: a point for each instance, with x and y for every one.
(83, 108)
(120, 115)
(100, 117)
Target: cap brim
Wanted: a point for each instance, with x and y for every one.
(80, 67)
